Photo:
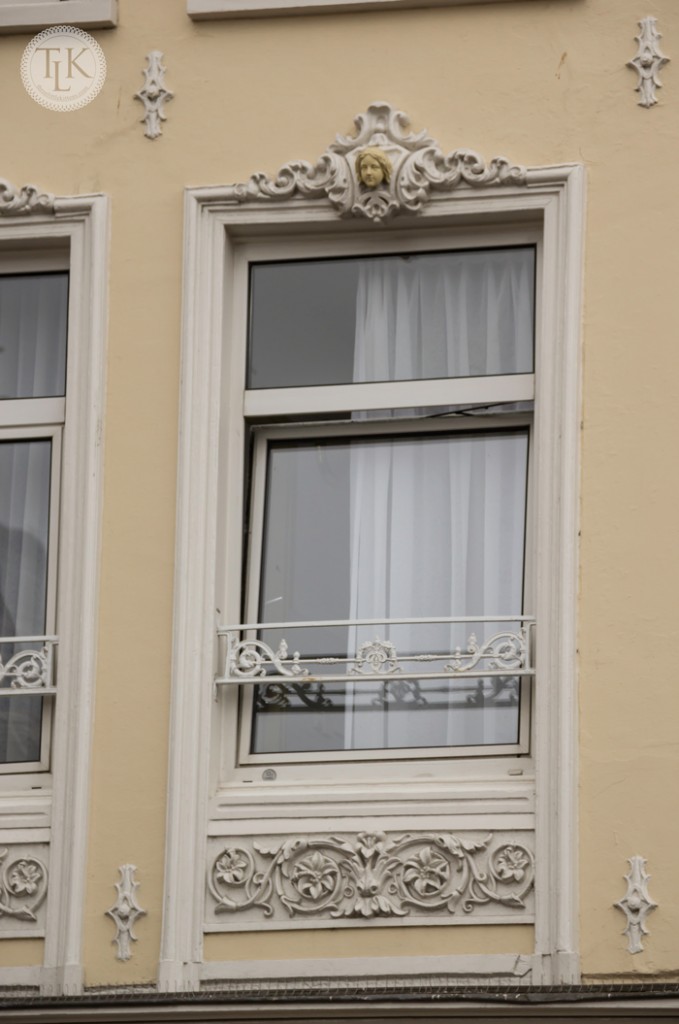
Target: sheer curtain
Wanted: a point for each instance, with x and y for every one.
(437, 522)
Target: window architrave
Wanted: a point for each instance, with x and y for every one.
(215, 226)
(53, 233)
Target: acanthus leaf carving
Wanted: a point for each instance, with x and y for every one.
(371, 875)
(23, 200)
(412, 167)
(23, 885)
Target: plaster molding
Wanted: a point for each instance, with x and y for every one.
(16, 201)
(369, 876)
(636, 904)
(215, 218)
(23, 888)
(126, 911)
(154, 95)
(648, 62)
(418, 168)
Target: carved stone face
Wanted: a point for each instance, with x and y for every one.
(370, 171)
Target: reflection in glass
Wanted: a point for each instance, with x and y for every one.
(415, 317)
(33, 323)
(24, 526)
(394, 527)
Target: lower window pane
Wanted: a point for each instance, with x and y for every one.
(24, 529)
(399, 528)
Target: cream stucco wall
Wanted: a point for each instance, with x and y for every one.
(541, 83)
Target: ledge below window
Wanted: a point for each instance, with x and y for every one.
(33, 15)
(201, 10)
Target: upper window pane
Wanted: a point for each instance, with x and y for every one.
(33, 325)
(408, 317)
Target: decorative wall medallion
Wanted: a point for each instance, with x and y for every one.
(16, 201)
(371, 876)
(125, 911)
(23, 887)
(380, 171)
(154, 95)
(636, 903)
(648, 62)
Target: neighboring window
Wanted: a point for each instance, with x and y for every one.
(31, 15)
(203, 9)
(33, 336)
(388, 427)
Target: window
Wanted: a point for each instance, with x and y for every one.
(399, 514)
(32, 15)
(33, 333)
(278, 427)
(201, 9)
(53, 316)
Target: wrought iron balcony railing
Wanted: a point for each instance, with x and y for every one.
(504, 650)
(27, 666)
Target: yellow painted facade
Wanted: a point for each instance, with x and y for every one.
(542, 82)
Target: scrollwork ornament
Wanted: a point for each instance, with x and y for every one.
(26, 670)
(380, 171)
(22, 201)
(371, 875)
(648, 62)
(23, 886)
(154, 95)
(126, 911)
(636, 904)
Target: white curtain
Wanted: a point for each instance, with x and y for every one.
(24, 524)
(33, 326)
(437, 522)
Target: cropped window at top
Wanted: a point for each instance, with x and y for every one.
(390, 318)
(33, 328)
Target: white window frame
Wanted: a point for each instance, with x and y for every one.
(55, 810)
(215, 226)
(201, 10)
(299, 402)
(32, 15)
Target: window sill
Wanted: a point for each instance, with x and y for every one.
(201, 10)
(23, 16)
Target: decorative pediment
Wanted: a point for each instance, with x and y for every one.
(380, 171)
(17, 202)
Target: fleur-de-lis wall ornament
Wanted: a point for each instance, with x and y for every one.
(648, 62)
(125, 911)
(154, 95)
(636, 904)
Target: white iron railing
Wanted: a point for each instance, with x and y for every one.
(29, 670)
(247, 659)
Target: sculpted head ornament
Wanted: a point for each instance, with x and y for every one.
(373, 167)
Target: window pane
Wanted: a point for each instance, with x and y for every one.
(24, 530)
(414, 317)
(33, 323)
(394, 527)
